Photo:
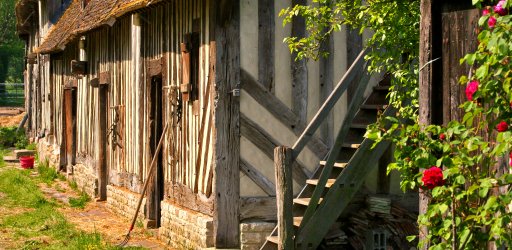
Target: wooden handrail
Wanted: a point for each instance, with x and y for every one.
(354, 106)
(355, 69)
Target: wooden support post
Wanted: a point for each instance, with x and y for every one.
(226, 21)
(284, 196)
(102, 143)
(299, 70)
(266, 44)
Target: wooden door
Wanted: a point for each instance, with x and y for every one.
(156, 194)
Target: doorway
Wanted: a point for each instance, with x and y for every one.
(156, 194)
(68, 147)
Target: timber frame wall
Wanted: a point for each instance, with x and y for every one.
(231, 93)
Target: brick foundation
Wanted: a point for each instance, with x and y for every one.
(254, 234)
(49, 152)
(85, 178)
(185, 229)
(124, 202)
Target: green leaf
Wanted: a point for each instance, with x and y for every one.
(464, 236)
(460, 179)
(482, 71)
(443, 208)
(411, 238)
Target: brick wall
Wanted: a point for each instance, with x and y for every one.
(254, 234)
(185, 229)
(85, 178)
(124, 202)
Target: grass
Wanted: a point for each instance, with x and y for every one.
(80, 202)
(33, 221)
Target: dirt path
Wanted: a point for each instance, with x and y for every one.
(11, 116)
(95, 217)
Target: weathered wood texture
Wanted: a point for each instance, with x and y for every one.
(254, 133)
(459, 38)
(227, 114)
(258, 208)
(255, 175)
(299, 70)
(266, 47)
(284, 196)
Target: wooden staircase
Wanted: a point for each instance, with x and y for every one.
(339, 177)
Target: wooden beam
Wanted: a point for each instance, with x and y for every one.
(183, 196)
(266, 26)
(227, 134)
(354, 47)
(266, 143)
(263, 182)
(326, 85)
(280, 111)
(258, 208)
(284, 197)
(299, 69)
(102, 143)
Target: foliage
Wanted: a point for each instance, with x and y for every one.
(12, 137)
(35, 222)
(472, 205)
(81, 201)
(47, 174)
(11, 47)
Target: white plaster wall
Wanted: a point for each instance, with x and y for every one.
(249, 36)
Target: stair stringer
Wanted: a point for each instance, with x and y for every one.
(340, 194)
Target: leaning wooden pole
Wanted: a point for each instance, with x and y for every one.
(284, 196)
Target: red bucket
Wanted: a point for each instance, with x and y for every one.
(27, 162)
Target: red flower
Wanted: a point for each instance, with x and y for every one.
(442, 137)
(432, 177)
(491, 22)
(471, 89)
(486, 11)
(500, 8)
(502, 126)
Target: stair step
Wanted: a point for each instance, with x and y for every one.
(304, 201)
(381, 87)
(273, 239)
(359, 125)
(297, 221)
(329, 183)
(336, 164)
(351, 145)
(374, 106)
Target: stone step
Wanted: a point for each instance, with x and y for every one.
(24, 152)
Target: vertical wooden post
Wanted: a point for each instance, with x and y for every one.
(102, 143)
(69, 122)
(284, 196)
(227, 124)
(299, 70)
(266, 43)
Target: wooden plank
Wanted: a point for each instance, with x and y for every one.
(258, 208)
(339, 196)
(284, 196)
(227, 137)
(263, 182)
(326, 85)
(154, 67)
(69, 121)
(355, 45)
(280, 111)
(299, 69)
(266, 144)
(266, 47)
(354, 70)
(102, 143)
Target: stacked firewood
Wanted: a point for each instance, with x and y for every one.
(378, 213)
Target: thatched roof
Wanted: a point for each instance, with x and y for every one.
(76, 21)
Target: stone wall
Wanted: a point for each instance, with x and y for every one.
(124, 202)
(254, 234)
(185, 229)
(49, 152)
(85, 178)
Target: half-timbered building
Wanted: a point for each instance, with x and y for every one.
(106, 80)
